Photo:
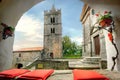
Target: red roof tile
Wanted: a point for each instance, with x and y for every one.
(29, 49)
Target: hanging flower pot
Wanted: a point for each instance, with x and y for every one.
(105, 22)
(7, 31)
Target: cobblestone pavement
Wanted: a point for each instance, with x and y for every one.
(67, 75)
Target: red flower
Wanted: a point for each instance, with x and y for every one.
(8, 32)
(105, 22)
(97, 14)
(110, 36)
(105, 12)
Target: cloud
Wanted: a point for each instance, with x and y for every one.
(30, 29)
(28, 24)
(77, 40)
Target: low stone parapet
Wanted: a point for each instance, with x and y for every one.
(51, 64)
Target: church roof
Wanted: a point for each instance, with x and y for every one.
(29, 49)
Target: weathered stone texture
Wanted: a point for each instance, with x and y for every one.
(52, 33)
(52, 64)
(25, 57)
(86, 38)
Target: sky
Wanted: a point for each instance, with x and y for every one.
(30, 27)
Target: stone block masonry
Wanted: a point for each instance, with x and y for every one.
(51, 64)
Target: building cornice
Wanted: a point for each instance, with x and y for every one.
(85, 13)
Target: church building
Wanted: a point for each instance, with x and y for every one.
(52, 33)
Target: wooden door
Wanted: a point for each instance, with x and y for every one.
(97, 45)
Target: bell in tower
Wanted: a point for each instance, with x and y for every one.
(52, 33)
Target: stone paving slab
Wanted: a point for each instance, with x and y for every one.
(61, 75)
(67, 75)
(112, 75)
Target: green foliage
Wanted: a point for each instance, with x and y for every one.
(70, 48)
(72, 56)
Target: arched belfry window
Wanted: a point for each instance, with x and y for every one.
(52, 19)
(52, 30)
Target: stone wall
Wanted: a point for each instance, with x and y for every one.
(52, 64)
(86, 38)
(25, 57)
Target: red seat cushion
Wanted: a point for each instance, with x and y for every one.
(36, 74)
(87, 75)
(12, 73)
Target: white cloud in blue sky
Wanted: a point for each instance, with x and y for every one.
(29, 30)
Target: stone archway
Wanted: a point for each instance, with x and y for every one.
(10, 13)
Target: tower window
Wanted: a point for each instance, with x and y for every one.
(52, 30)
(19, 55)
(52, 20)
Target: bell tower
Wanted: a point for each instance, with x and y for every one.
(52, 33)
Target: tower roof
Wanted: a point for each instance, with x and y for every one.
(53, 8)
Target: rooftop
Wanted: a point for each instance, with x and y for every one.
(29, 49)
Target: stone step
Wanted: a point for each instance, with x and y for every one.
(81, 65)
(91, 60)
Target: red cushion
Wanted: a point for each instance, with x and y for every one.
(87, 75)
(36, 74)
(12, 73)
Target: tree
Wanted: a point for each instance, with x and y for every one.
(70, 48)
(66, 45)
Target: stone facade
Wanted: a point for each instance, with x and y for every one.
(90, 33)
(107, 50)
(94, 40)
(86, 36)
(52, 33)
(26, 55)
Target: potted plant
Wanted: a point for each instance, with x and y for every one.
(7, 31)
(105, 20)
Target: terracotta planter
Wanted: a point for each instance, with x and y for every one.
(105, 22)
